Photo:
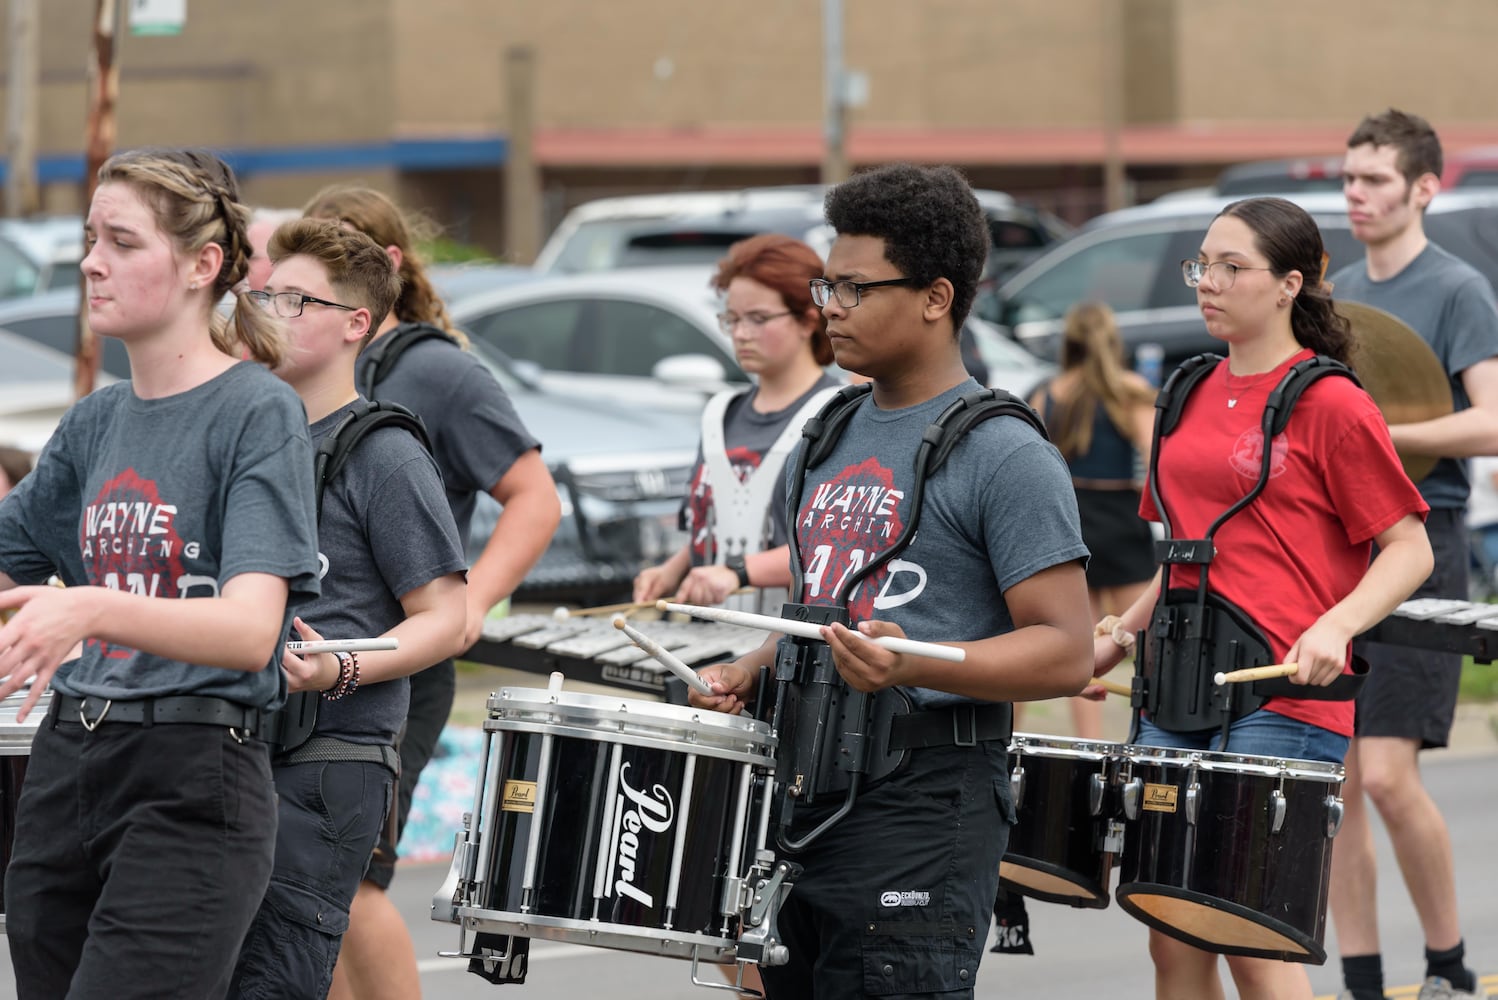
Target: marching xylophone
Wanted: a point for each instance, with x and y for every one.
(1443, 626)
(593, 650)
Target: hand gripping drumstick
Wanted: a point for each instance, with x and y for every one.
(1112, 686)
(807, 630)
(664, 657)
(305, 646)
(1255, 673)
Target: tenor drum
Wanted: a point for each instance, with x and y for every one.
(15, 753)
(1070, 825)
(612, 822)
(1232, 853)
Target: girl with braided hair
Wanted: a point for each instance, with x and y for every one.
(146, 824)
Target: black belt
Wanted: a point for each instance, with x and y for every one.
(957, 725)
(324, 749)
(174, 710)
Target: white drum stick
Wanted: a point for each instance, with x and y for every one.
(808, 630)
(341, 645)
(1255, 673)
(664, 657)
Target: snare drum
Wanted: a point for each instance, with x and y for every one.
(15, 753)
(1069, 827)
(612, 822)
(1232, 853)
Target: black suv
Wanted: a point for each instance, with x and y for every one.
(1131, 260)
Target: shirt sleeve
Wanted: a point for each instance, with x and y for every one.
(484, 435)
(39, 518)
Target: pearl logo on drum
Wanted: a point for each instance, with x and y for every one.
(637, 813)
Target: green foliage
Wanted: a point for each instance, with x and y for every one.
(1479, 681)
(445, 251)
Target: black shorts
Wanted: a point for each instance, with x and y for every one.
(432, 692)
(1121, 548)
(1411, 693)
(896, 899)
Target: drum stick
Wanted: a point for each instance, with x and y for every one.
(561, 614)
(664, 657)
(807, 630)
(1113, 686)
(1255, 673)
(305, 647)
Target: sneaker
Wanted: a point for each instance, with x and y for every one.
(1436, 988)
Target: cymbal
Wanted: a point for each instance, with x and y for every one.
(1400, 372)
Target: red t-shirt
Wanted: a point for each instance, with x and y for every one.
(1304, 543)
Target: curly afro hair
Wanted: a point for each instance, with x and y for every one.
(931, 224)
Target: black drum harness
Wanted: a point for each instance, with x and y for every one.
(833, 739)
(1193, 634)
(289, 729)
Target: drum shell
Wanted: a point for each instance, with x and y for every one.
(1229, 883)
(1056, 847)
(15, 754)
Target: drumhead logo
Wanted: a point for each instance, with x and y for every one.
(910, 898)
(638, 813)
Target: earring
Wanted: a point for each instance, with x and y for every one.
(192, 286)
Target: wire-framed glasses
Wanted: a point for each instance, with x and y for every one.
(1223, 272)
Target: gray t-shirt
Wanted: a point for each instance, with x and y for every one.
(476, 434)
(999, 511)
(170, 498)
(747, 435)
(386, 530)
(1450, 304)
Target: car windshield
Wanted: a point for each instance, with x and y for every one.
(602, 246)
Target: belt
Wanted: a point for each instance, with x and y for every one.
(323, 749)
(957, 725)
(174, 710)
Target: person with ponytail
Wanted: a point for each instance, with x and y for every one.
(1295, 560)
(481, 446)
(1099, 416)
(177, 509)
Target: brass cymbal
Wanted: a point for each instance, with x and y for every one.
(1400, 372)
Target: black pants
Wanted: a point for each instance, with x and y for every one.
(896, 899)
(140, 857)
(432, 693)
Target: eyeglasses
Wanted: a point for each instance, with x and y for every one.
(288, 305)
(1223, 273)
(728, 320)
(850, 293)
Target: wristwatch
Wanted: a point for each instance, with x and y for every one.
(736, 563)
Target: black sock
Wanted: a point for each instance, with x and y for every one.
(1448, 965)
(1364, 976)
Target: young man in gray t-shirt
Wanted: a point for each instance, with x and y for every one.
(995, 568)
(393, 566)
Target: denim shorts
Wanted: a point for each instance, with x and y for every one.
(1258, 734)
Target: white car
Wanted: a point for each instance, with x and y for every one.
(36, 389)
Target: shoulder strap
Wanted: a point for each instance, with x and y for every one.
(334, 450)
(1301, 376)
(1171, 399)
(385, 351)
(969, 411)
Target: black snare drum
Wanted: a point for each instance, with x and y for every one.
(1232, 853)
(1070, 826)
(15, 753)
(611, 822)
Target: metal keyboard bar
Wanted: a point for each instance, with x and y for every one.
(1442, 626)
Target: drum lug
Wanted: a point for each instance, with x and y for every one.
(760, 940)
(1193, 801)
(1133, 791)
(444, 903)
(1277, 805)
(1017, 785)
(1333, 815)
(1113, 840)
(1095, 791)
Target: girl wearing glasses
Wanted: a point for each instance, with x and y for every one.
(1296, 560)
(145, 828)
(734, 513)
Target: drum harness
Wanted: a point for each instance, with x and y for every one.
(289, 729)
(833, 739)
(1193, 634)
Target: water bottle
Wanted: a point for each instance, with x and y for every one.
(1149, 360)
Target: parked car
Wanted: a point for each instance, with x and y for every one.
(1131, 260)
(621, 470)
(1462, 168)
(39, 255)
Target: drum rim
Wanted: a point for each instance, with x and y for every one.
(671, 943)
(1069, 746)
(738, 749)
(1213, 760)
(557, 706)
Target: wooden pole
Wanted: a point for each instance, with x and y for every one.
(21, 195)
(834, 96)
(98, 143)
(522, 178)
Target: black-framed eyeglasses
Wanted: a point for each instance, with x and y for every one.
(288, 305)
(728, 320)
(1223, 272)
(849, 293)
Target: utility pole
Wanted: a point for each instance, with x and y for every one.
(522, 178)
(1115, 181)
(834, 99)
(98, 143)
(21, 195)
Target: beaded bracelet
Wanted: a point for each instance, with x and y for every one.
(348, 677)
